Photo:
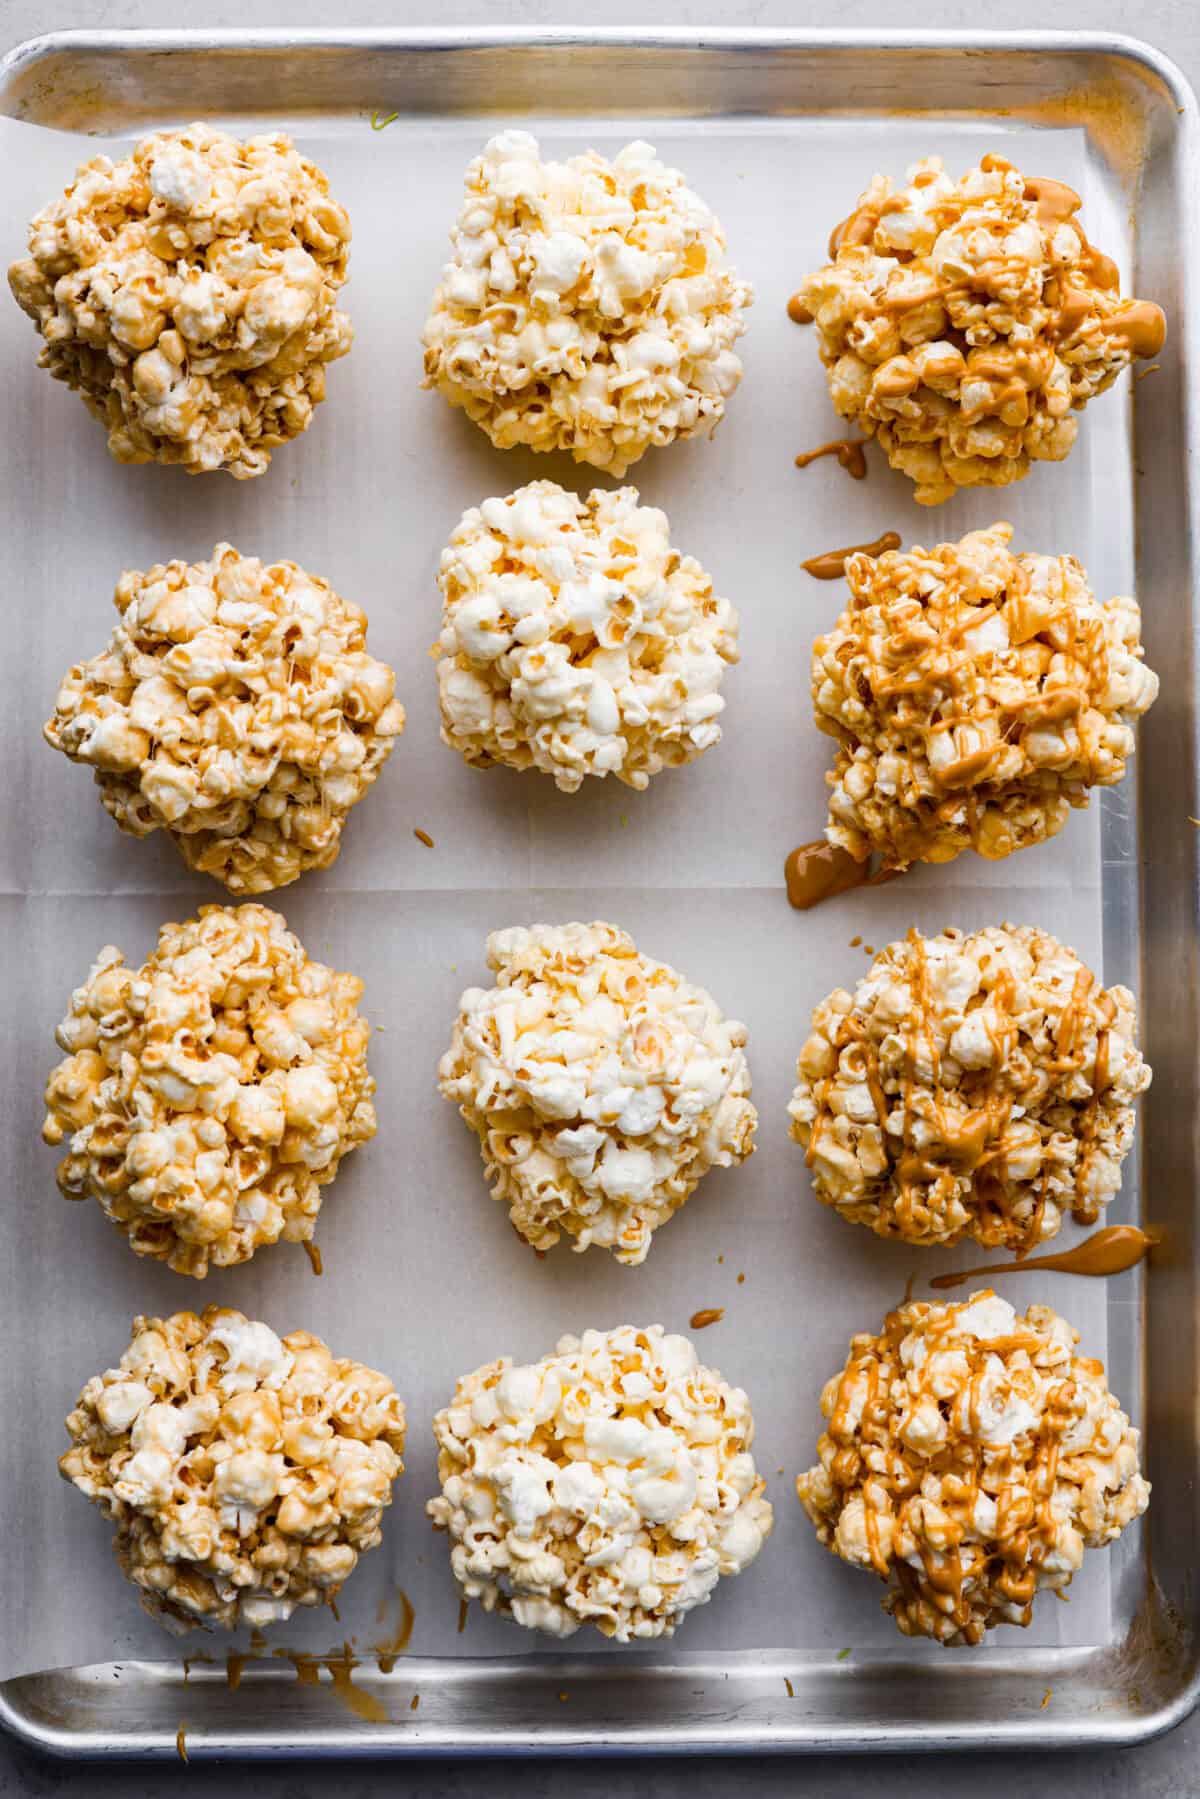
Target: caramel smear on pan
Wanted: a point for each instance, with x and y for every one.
(707, 1315)
(235, 1663)
(314, 1256)
(798, 312)
(831, 565)
(181, 1743)
(849, 452)
(1110, 1251)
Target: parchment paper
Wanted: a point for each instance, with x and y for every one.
(423, 1276)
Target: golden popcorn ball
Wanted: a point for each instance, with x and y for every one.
(601, 1084)
(189, 293)
(237, 709)
(963, 323)
(208, 1096)
(610, 1483)
(973, 1085)
(969, 1458)
(577, 641)
(588, 305)
(245, 1473)
(976, 696)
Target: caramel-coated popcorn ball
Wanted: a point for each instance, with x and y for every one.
(602, 1086)
(975, 696)
(576, 640)
(208, 1096)
(245, 1474)
(588, 305)
(610, 1483)
(971, 1086)
(964, 322)
(236, 708)
(189, 293)
(969, 1458)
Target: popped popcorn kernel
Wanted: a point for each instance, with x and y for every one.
(969, 1458)
(588, 305)
(964, 322)
(576, 640)
(602, 1086)
(976, 696)
(245, 1473)
(237, 709)
(208, 1096)
(973, 1085)
(188, 292)
(611, 1483)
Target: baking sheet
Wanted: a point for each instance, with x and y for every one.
(424, 1277)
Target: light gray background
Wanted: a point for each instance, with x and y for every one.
(1168, 1767)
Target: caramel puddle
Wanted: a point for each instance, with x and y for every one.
(817, 871)
(831, 565)
(1113, 1250)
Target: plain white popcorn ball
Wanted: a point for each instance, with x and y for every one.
(245, 1473)
(602, 1086)
(973, 1085)
(237, 709)
(976, 696)
(189, 293)
(588, 305)
(610, 1483)
(208, 1096)
(964, 322)
(576, 640)
(969, 1458)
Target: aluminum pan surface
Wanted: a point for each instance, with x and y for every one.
(721, 1683)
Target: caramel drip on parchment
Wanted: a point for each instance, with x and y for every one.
(314, 1256)
(1113, 1250)
(798, 312)
(392, 1648)
(463, 1610)
(819, 870)
(849, 452)
(831, 565)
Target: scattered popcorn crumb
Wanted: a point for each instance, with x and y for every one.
(189, 293)
(707, 1315)
(601, 1084)
(843, 1655)
(624, 821)
(1046, 1698)
(974, 1085)
(577, 641)
(962, 323)
(969, 1459)
(381, 124)
(855, 941)
(588, 305)
(868, 949)
(791, 1691)
(245, 1473)
(611, 1483)
(424, 837)
(208, 1096)
(236, 708)
(740, 1279)
(414, 1702)
(563, 1697)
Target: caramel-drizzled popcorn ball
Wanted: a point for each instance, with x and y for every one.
(208, 1096)
(576, 640)
(610, 1483)
(975, 696)
(237, 709)
(971, 1086)
(189, 293)
(969, 1459)
(602, 1086)
(245, 1474)
(963, 322)
(588, 305)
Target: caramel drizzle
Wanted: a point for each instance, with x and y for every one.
(849, 452)
(831, 565)
(1114, 1250)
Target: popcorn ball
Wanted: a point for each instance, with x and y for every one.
(975, 696)
(189, 293)
(602, 1086)
(588, 305)
(237, 709)
(610, 1483)
(245, 1473)
(208, 1096)
(962, 323)
(969, 1458)
(974, 1085)
(576, 640)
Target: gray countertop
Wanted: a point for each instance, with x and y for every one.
(1163, 1769)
